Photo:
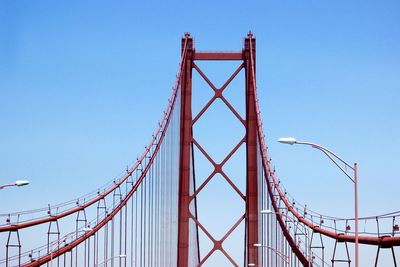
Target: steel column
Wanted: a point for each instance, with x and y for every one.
(251, 156)
(184, 157)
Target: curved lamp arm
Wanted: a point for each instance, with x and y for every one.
(17, 183)
(332, 156)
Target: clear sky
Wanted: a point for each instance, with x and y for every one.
(84, 83)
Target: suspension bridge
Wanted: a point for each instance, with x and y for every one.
(150, 214)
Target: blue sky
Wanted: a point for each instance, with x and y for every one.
(84, 83)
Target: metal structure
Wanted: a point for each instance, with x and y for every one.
(149, 214)
(353, 178)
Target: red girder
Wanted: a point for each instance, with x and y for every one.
(252, 209)
(185, 154)
(218, 56)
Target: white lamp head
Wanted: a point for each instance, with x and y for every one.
(267, 211)
(21, 182)
(86, 229)
(287, 140)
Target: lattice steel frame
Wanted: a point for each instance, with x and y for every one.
(187, 141)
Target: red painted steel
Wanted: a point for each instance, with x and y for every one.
(218, 169)
(218, 56)
(250, 124)
(218, 243)
(185, 152)
(251, 154)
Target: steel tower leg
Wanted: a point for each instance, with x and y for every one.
(251, 156)
(184, 158)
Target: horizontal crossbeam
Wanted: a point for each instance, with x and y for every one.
(218, 56)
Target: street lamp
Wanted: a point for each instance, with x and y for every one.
(280, 254)
(267, 211)
(121, 256)
(17, 183)
(336, 160)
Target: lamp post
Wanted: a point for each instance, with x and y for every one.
(17, 183)
(278, 253)
(122, 256)
(336, 160)
(268, 211)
